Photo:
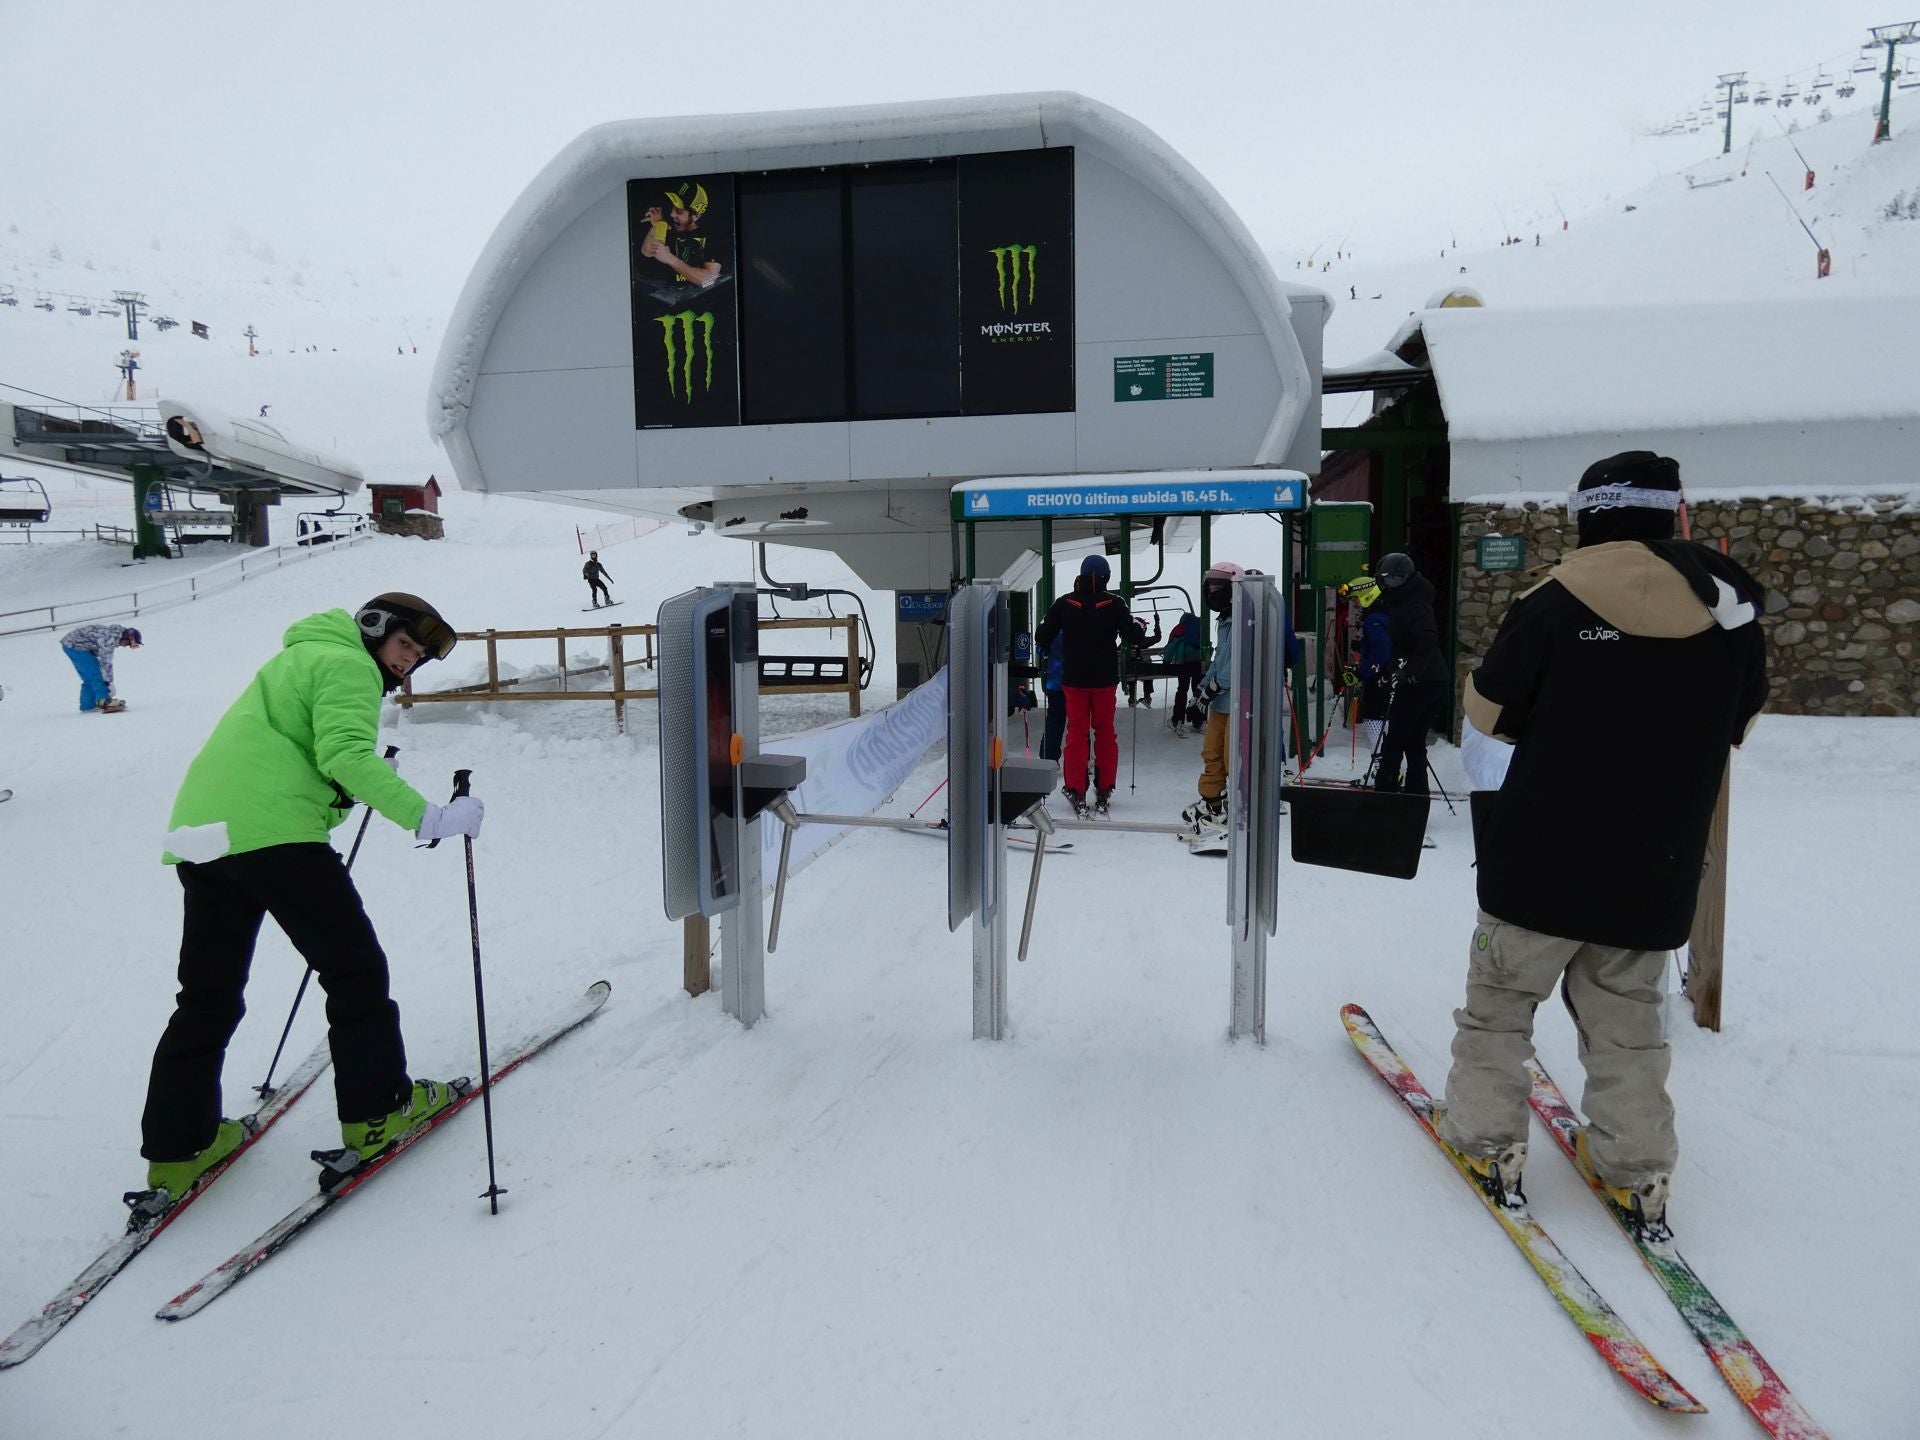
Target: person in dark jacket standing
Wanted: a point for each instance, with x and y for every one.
(596, 576)
(1419, 680)
(1093, 624)
(1621, 680)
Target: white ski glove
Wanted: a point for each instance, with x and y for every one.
(459, 816)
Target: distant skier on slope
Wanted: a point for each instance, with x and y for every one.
(249, 833)
(1621, 681)
(90, 650)
(596, 576)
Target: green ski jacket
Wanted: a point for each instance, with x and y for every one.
(306, 725)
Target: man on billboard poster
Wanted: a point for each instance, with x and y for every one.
(683, 306)
(675, 241)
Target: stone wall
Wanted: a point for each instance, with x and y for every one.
(422, 523)
(1842, 578)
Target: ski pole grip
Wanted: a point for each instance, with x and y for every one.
(462, 782)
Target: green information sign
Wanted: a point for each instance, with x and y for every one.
(1501, 552)
(1163, 377)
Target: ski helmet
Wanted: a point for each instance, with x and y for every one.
(1224, 570)
(1395, 570)
(1363, 590)
(380, 616)
(1096, 566)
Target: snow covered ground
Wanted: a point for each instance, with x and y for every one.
(853, 1219)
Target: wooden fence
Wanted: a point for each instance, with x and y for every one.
(811, 674)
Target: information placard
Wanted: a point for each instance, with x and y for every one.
(1163, 377)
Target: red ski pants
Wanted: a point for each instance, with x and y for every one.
(1090, 707)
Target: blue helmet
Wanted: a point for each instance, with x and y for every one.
(1096, 566)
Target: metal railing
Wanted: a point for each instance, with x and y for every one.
(162, 594)
(779, 673)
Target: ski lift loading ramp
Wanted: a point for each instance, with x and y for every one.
(807, 327)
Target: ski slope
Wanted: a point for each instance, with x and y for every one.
(854, 1220)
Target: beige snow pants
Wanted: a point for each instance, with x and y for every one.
(1614, 996)
(1213, 756)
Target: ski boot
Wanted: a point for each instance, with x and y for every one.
(367, 1138)
(1205, 812)
(169, 1180)
(111, 707)
(1498, 1174)
(1101, 811)
(1078, 800)
(1644, 1205)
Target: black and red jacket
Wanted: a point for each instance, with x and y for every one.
(1094, 624)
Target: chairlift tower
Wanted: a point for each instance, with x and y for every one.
(1730, 82)
(132, 302)
(128, 363)
(251, 335)
(1891, 36)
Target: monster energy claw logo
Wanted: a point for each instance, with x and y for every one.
(1008, 263)
(677, 332)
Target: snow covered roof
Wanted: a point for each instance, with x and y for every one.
(1529, 374)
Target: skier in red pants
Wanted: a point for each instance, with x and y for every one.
(1093, 624)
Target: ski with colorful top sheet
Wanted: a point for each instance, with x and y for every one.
(1744, 1368)
(1603, 1328)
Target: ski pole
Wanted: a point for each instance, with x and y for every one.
(1133, 750)
(265, 1088)
(923, 804)
(493, 1192)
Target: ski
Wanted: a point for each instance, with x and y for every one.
(1603, 1328)
(148, 1220)
(1744, 1368)
(341, 1174)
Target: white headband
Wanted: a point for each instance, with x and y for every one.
(1621, 497)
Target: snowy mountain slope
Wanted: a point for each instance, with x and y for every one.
(1731, 241)
(854, 1220)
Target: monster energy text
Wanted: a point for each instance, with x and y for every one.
(681, 327)
(1009, 261)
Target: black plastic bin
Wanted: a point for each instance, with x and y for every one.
(1347, 827)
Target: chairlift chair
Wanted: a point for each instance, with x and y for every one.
(1740, 97)
(1763, 96)
(1845, 90)
(7, 297)
(25, 505)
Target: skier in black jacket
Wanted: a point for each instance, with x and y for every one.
(1093, 624)
(1419, 680)
(596, 576)
(1621, 680)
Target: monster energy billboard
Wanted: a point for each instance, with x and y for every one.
(1016, 281)
(685, 327)
(843, 302)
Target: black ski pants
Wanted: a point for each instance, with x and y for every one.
(1409, 721)
(311, 897)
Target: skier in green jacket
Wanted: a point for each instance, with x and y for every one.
(249, 836)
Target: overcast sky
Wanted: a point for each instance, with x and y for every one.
(399, 132)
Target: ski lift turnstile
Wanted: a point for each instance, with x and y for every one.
(1255, 744)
